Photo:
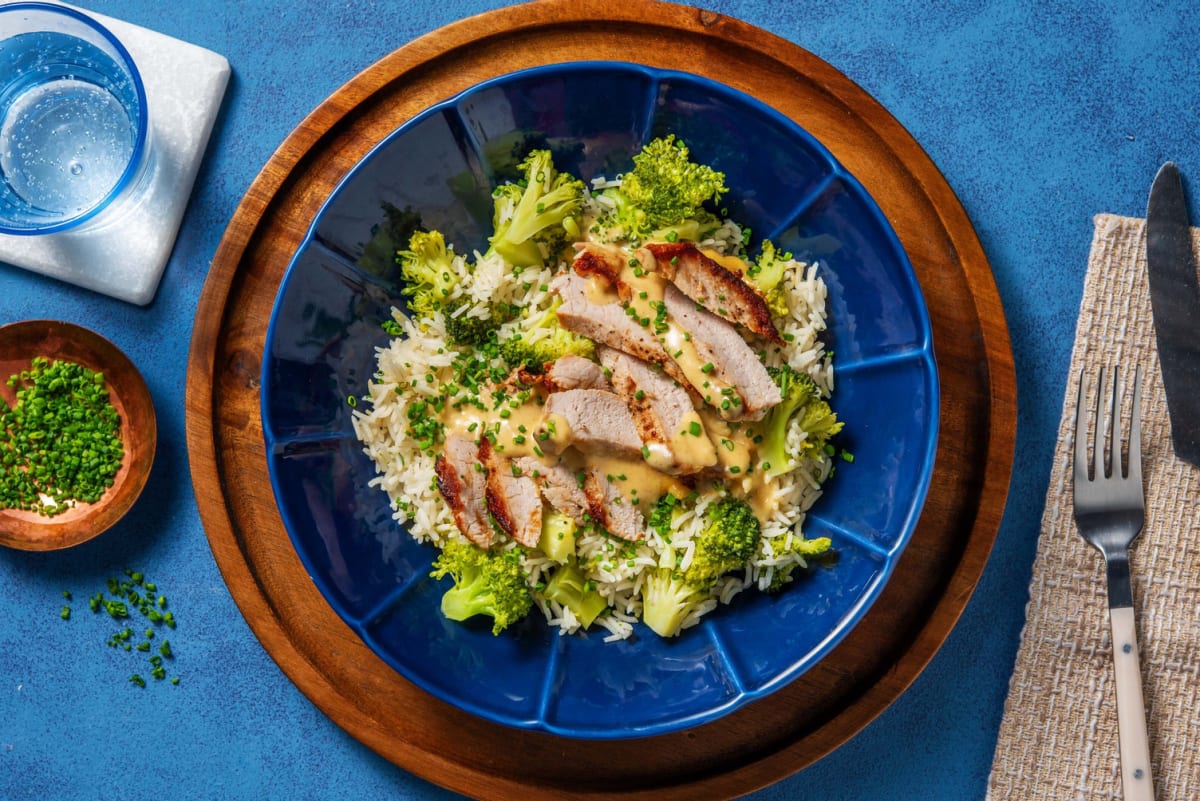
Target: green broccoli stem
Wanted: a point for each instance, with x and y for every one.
(667, 600)
(464, 601)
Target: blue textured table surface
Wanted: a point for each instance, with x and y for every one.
(1039, 118)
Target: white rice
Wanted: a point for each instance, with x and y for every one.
(618, 569)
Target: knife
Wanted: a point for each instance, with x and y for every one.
(1175, 298)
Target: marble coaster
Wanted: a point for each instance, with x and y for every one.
(124, 250)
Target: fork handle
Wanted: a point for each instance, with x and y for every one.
(1136, 781)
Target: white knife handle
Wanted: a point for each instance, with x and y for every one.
(1131, 710)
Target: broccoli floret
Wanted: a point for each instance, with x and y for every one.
(668, 597)
(538, 219)
(662, 514)
(485, 583)
(518, 350)
(800, 396)
(819, 423)
(799, 549)
(729, 540)
(431, 271)
(557, 539)
(569, 587)
(473, 331)
(665, 191)
(766, 275)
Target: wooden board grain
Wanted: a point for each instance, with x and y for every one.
(764, 741)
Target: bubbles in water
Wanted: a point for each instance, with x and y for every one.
(52, 125)
(68, 126)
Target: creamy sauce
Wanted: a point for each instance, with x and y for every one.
(732, 263)
(760, 494)
(600, 291)
(635, 478)
(698, 373)
(554, 433)
(734, 446)
(646, 289)
(691, 445)
(738, 456)
(515, 431)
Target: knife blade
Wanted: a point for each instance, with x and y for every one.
(1175, 299)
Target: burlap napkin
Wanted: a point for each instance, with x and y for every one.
(1058, 737)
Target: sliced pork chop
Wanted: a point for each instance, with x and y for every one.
(712, 285)
(560, 487)
(512, 497)
(612, 510)
(464, 486)
(603, 263)
(663, 412)
(734, 362)
(576, 372)
(607, 323)
(597, 422)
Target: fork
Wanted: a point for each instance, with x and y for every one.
(1109, 512)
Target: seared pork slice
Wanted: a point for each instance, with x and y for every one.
(575, 372)
(734, 362)
(559, 485)
(464, 486)
(607, 323)
(663, 413)
(712, 285)
(594, 421)
(512, 497)
(612, 510)
(603, 263)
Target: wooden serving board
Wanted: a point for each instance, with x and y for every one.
(762, 742)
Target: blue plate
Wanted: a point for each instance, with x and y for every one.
(342, 282)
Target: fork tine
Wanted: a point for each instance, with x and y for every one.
(1135, 429)
(1114, 425)
(1081, 448)
(1098, 430)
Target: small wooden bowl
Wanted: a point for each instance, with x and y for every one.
(19, 344)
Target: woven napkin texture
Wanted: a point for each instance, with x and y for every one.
(1058, 736)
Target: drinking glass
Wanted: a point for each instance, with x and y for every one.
(74, 132)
